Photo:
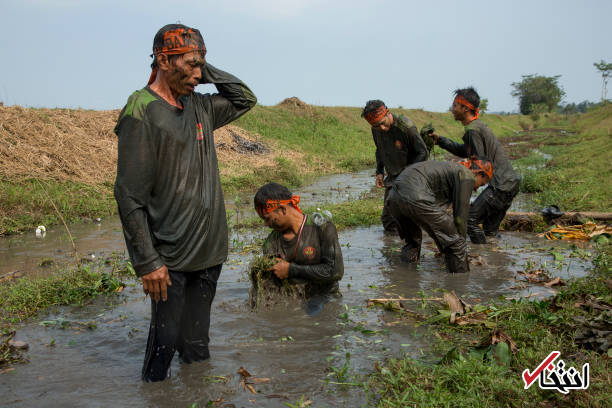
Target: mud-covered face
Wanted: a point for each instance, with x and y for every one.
(459, 111)
(384, 124)
(276, 219)
(185, 72)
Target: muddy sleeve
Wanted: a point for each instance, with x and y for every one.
(419, 150)
(380, 165)
(136, 174)
(461, 201)
(234, 98)
(458, 149)
(331, 267)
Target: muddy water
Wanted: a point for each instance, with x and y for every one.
(76, 366)
(101, 367)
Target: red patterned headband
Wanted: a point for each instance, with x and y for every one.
(485, 167)
(462, 101)
(272, 205)
(374, 116)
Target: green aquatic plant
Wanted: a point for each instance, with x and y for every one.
(266, 289)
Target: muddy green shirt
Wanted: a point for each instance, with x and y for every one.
(479, 140)
(317, 256)
(436, 183)
(399, 147)
(168, 189)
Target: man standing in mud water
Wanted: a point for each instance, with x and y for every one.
(169, 193)
(398, 145)
(306, 247)
(419, 197)
(489, 209)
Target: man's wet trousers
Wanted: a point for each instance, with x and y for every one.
(180, 323)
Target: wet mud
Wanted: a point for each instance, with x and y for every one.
(302, 355)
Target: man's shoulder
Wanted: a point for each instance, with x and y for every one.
(403, 122)
(479, 126)
(319, 219)
(137, 104)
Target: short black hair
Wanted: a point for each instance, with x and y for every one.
(470, 95)
(371, 106)
(171, 59)
(271, 191)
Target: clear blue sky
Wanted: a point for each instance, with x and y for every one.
(93, 54)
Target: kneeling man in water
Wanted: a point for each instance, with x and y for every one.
(419, 197)
(306, 247)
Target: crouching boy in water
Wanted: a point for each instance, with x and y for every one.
(419, 197)
(306, 247)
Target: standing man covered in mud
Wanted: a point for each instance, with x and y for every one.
(419, 196)
(169, 193)
(398, 145)
(489, 209)
(306, 247)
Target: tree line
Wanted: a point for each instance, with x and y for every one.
(538, 93)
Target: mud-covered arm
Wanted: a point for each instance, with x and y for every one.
(458, 149)
(464, 185)
(136, 174)
(417, 146)
(234, 98)
(380, 165)
(331, 267)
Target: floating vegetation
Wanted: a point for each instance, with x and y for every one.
(268, 290)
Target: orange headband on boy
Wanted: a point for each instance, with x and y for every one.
(462, 101)
(376, 115)
(272, 205)
(485, 167)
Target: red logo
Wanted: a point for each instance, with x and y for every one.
(309, 252)
(199, 132)
(398, 144)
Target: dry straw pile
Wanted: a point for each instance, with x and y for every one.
(58, 144)
(80, 145)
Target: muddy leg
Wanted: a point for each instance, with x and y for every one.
(499, 206)
(480, 210)
(164, 330)
(199, 294)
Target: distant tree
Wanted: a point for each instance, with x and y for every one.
(539, 90)
(484, 104)
(606, 72)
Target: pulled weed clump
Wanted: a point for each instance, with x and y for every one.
(268, 290)
(9, 353)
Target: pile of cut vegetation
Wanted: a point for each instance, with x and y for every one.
(58, 144)
(267, 290)
(80, 145)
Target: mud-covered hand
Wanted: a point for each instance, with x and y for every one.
(281, 269)
(380, 181)
(156, 283)
(434, 136)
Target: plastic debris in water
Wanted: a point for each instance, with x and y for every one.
(41, 231)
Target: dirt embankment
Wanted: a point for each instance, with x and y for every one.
(80, 146)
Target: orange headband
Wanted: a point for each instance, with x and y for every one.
(462, 101)
(176, 42)
(272, 205)
(487, 167)
(376, 115)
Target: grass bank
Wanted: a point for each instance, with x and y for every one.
(69, 156)
(454, 377)
(573, 171)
